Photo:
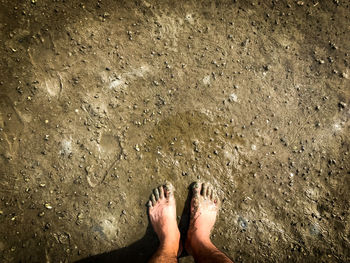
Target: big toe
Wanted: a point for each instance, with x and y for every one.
(196, 189)
(169, 190)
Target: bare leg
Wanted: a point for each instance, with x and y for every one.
(204, 207)
(162, 214)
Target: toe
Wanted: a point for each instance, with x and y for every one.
(156, 193)
(169, 189)
(209, 189)
(153, 199)
(196, 189)
(211, 194)
(161, 191)
(216, 199)
(149, 203)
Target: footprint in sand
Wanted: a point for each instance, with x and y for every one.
(11, 125)
(110, 152)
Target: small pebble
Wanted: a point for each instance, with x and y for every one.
(342, 105)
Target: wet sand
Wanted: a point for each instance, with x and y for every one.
(102, 101)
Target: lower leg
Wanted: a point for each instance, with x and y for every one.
(166, 254)
(205, 251)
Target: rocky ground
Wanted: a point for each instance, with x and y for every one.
(101, 101)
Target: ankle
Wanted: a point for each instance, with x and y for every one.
(196, 243)
(200, 237)
(170, 250)
(170, 245)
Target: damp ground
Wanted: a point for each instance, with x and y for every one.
(102, 101)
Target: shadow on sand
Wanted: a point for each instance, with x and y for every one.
(143, 249)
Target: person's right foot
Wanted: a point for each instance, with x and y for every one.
(204, 207)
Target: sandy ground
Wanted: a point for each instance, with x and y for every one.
(101, 101)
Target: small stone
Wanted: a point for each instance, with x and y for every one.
(233, 98)
(48, 206)
(333, 45)
(344, 75)
(342, 105)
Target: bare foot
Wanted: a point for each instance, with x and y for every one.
(162, 214)
(204, 207)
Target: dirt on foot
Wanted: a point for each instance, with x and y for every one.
(203, 213)
(101, 101)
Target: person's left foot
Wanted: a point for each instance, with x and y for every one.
(162, 214)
